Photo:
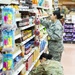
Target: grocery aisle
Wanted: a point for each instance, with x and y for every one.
(68, 59)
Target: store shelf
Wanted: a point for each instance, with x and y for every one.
(35, 61)
(18, 36)
(33, 64)
(19, 69)
(44, 37)
(0, 21)
(22, 43)
(26, 9)
(22, 1)
(25, 27)
(74, 40)
(42, 27)
(1, 66)
(42, 7)
(14, 2)
(27, 56)
(5, 2)
(43, 17)
(18, 19)
(16, 53)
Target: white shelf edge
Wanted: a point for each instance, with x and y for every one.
(5, 2)
(29, 10)
(19, 69)
(44, 37)
(17, 36)
(42, 17)
(14, 2)
(35, 61)
(1, 66)
(22, 43)
(25, 27)
(0, 21)
(22, 1)
(27, 56)
(42, 7)
(18, 19)
(74, 40)
(45, 46)
(33, 64)
(16, 54)
(42, 27)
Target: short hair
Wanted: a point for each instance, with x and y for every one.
(45, 55)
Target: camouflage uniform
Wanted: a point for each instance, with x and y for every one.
(55, 44)
(49, 67)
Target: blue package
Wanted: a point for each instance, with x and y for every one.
(8, 40)
(8, 17)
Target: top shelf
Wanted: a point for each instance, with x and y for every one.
(8, 2)
(41, 7)
(14, 2)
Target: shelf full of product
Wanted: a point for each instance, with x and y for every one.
(69, 31)
(27, 48)
(33, 64)
(69, 28)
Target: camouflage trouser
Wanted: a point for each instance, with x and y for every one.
(56, 55)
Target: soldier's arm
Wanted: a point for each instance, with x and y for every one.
(55, 33)
(45, 22)
(38, 70)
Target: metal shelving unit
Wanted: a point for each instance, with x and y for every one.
(36, 60)
(22, 43)
(16, 53)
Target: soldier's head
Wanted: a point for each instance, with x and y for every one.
(56, 15)
(45, 57)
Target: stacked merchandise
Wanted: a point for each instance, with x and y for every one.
(68, 29)
(8, 44)
(17, 14)
(23, 38)
(44, 3)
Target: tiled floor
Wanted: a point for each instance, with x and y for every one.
(68, 59)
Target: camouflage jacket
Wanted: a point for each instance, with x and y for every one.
(49, 67)
(55, 31)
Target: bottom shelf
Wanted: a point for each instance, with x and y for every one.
(36, 60)
(19, 69)
(1, 66)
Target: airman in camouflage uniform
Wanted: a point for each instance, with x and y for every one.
(49, 67)
(55, 32)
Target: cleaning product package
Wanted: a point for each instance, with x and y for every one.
(8, 62)
(8, 40)
(8, 17)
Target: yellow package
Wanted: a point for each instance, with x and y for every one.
(38, 63)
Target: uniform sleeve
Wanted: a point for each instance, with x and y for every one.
(45, 22)
(38, 70)
(55, 33)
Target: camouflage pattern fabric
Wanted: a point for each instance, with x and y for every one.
(49, 67)
(55, 32)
